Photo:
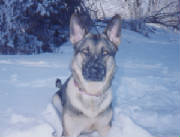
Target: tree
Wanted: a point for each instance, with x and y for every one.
(31, 26)
(138, 12)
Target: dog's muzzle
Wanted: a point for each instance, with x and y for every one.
(94, 70)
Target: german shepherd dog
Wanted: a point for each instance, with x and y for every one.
(84, 101)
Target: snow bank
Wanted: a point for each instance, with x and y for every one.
(145, 89)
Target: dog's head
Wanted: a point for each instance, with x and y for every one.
(93, 64)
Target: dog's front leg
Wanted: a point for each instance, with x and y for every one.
(103, 123)
(67, 134)
(103, 131)
(72, 125)
(70, 132)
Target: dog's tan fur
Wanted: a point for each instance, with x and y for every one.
(85, 105)
(90, 86)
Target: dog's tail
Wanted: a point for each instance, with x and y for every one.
(58, 83)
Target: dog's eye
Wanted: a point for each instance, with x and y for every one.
(85, 51)
(105, 53)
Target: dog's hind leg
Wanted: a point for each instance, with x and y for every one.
(56, 101)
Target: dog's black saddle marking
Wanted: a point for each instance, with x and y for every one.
(62, 91)
(62, 94)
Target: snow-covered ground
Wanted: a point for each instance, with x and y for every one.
(146, 89)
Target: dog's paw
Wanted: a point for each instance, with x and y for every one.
(54, 134)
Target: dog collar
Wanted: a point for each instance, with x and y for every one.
(82, 91)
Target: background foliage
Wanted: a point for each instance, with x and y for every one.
(36, 26)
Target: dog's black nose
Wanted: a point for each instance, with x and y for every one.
(94, 70)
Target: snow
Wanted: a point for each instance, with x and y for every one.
(146, 89)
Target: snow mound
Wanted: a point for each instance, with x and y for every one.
(145, 89)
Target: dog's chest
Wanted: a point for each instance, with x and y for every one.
(91, 102)
(89, 105)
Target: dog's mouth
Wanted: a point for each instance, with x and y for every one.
(94, 70)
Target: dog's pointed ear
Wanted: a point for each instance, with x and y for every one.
(77, 29)
(113, 30)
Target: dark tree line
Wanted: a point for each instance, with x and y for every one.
(36, 26)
